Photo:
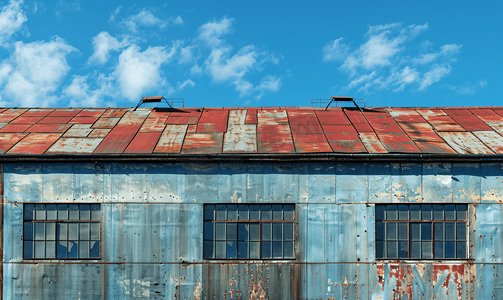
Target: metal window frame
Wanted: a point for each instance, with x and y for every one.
(260, 231)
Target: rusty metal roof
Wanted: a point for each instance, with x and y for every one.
(258, 130)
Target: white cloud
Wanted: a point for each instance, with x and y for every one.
(334, 50)
(177, 21)
(186, 54)
(268, 83)
(103, 43)
(434, 75)
(115, 13)
(138, 72)
(81, 95)
(66, 7)
(145, 18)
(446, 51)
(186, 83)
(469, 89)
(36, 71)
(211, 32)
(222, 67)
(12, 18)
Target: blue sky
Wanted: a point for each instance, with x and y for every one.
(255, 53)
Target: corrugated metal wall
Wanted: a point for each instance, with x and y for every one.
(152, 221)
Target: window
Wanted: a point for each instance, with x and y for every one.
(249, 231)
(421, 231)
(61, 231)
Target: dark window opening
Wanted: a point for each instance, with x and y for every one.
(249, 231)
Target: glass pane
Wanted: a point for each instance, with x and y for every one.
(403, 249)
(379, 214)
(391, 231)
(392, 249)
(402, 231)
(425, 211)
(208, 249)
(242, 249)
(232, 249)
(403, 212)
(277, 250)
(461, 231)
(28, 231)
(243, 212)
(39, 249)
(83, 249)
(460, 249)
(391, 212)
(95, 231)
(288, 231)
(73, 213)
(277, 231)
(254, 250)
(29, 211)
(254, 212)
(209, 212)
(62, 211)
(288, 250)
(39, 211)
(50, 249)
(266, 231)
(415, 231)
(220, 231)
(450, 231)
(415, 211)
(220, 249)
(266, 250)
(95, 212)
(85, 212)
(426, 231)
(232, 212)
(438, 212)
(277, 212)
(50, 231)
(415, 249)
(73, 231)
(62, 231)
(426, 250)
(243, 232)
(438, 231)
(380, 249)
(450, 212)
(254, 232)
(450, 250)
(62, 249)
(232, 232)
(28, 249)
(73, 250)
(208, 231)
(84, 231)
(288, 211)
(379, 231)
(266, 212)
(52, 213)
(39, 231)
(220, 212)
(95, 249)
(461, 211)
(438, 249)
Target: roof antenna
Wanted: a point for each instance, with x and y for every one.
(152, 100)
(348, 99)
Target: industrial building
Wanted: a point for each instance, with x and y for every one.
(251, 203)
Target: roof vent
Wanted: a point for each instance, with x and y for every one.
(158, 99)
(340, 99)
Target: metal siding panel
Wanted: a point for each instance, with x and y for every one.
(488, 243)
(315, 238)
(379, 182)
(321, 183)
(190, 224)
(315, 275)
(491, 183)
(302, 237)
(232, 182)
(57, 182)
(363, 221)
(12, 234)
(406, 182)
(201, 183)
(191, 282)
(259, 183)
(437, 182)
(333, 236)
(23, 182)
(466, 182)
(351, 183)
(86, 182)
(285, 183)
(165, 183)
(148, 281)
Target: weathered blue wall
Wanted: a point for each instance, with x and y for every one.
(152, 220)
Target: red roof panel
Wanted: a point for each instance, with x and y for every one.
(26, 120)
(203, 143)
(55, 120)
(15, 127)
(143, 142)
(348, 146)
(64, 113)
(49, 128)
(318, 147)
(84, 120)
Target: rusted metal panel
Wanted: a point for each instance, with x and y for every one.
(213, 121)
(72, 145)
(338, 128)
(268, 147)
(306, 128)
(400, 147)
(302, 117)
(171, 140)
(78, 130)
(470, 122)
(99, 133)
(490, 183)
(154, 122)
(386, 127)
(47, 128)
(55, 120)
(64, 113)
(135, 118)
(237, 117)
(251, 119)
(421, 132)
(434, 147)
(15, 128)
(35, 112)
(96, 113)
(35, 143)
(26, 120)
(203, 143)
(406, 182)
(272, 117)
(349, 177)
(10, 114)
(465, 143)
(122, 134)
(372, 143)
(240, 138)
(111, 148)
(466, 182)
(332, 118)
(348, 146)
(105, 122)
(398, 137)
(143, 142)
(83, 120)
(192, 128)
(448, 127)
(183, 118)
(491, 139)
(114, 113)
(406, 116)
(273, 129)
